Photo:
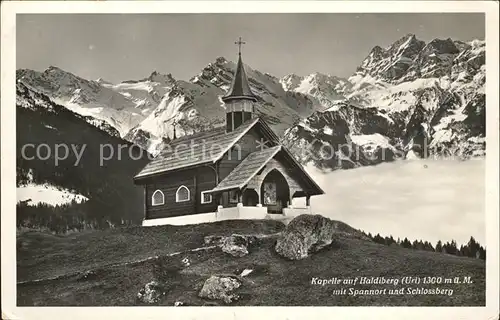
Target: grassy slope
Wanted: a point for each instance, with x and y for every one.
(41, 255)
(275, 281)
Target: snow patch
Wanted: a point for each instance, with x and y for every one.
(33, 194)
(49, 127)
(477, 140)
(411, 155)
(306, 126)
(441, 136)
(371, 140)
(140, 86)
(457, 116)
(160, 120)
(328, 130)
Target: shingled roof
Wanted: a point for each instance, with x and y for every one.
(247, 169)
(240, 89)
(255, 161)
(198, 149)
(194, 150)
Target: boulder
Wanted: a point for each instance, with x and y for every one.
(220, 288)
(306, 234)
(151, 293)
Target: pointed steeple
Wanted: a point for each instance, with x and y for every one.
(239, 101)
(240, 89)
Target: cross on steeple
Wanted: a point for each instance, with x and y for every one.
(239, 43)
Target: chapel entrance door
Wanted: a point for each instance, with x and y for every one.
(275, 193)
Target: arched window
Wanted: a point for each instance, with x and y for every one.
(158, 198)
(182, 194)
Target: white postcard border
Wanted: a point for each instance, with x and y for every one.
(8, 158)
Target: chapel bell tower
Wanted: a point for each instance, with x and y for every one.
(239, 100)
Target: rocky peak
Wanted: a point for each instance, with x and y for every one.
(472, 58)
(220, 61)
(56, 74)
(406, 40)
(391, 63)
(54, 69)
(216, 73)
(439, 46)
(102, 81)
(25, 73)
(161, 78)
(434, 60)
(290, 81)
(461, 45)
(407, 47)
(377, 53)
(409, 58)
(318, 76)
(377, 50)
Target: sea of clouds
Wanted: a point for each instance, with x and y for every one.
(420, 199)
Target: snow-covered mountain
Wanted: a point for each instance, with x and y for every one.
(398, 96)
(325, 89)
(194, 105)
(85, 97)
(409, 97)
(146, 111)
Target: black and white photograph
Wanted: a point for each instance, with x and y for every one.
(229, 159)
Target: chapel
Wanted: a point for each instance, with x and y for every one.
(238, 171)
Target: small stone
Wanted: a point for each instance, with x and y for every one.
(212, 240)
(236, 245)
(186, 262)
(151, 293)
(246, 272)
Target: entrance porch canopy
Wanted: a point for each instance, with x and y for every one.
(256, 161)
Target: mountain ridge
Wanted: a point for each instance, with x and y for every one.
(406, 81)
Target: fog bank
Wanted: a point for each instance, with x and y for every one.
(420, 199)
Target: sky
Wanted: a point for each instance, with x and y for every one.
(119, 47)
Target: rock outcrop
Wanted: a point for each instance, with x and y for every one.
(305, 234)
(308, 233)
